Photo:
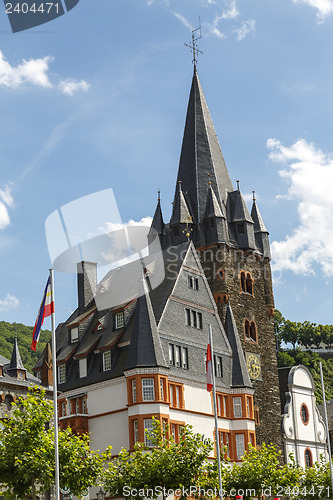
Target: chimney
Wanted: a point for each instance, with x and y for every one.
(86, 283)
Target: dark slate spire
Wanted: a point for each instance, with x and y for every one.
(260, 231)
(213, 208)
(241, 226)
(145, 348)
(16, 361)
(157, 229)
(180, 212)
(201, 155)
(240, 374)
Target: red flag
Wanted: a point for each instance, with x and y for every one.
(46, 309)
(209, 368)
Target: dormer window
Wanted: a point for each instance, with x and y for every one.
(106, 361)
(241, 228)
(120, 320)
(62, 374)
(74, 335)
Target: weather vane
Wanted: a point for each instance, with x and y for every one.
(196, 35)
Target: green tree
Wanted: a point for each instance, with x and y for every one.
(27, 461)
(170, 465)
(278, 327)
(316, 482)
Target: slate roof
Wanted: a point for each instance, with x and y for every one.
(240, 374)
(201, 158)
(259, 226)
(9, 377)
(157, 225)
(213, 208)
(16, 361)
(238, 211)
(180, 212)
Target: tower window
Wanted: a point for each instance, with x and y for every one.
(148, 425)
(133, 391)
(237, 403)
(246, 281)
(120, 320)
(241, 228)
(305, 414)
(148, 391)
(136, 431)
(240, 445)
(250, 330)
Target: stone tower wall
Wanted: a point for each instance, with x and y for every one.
(223, 266)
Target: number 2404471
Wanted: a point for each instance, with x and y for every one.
(24, 8)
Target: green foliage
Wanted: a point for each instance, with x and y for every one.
(168, 464)
(24, 337)
(27, 452)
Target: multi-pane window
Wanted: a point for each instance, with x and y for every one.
(308, 458)
(193, 282)
(133, 391)
(193, 318)
(176, 395)
(148, 392)
(237, 403)
(173, 431)
(218, 366)
(136, 431)
(74, 335)
(77, 406)
(240, 445)
(120, 319)
(106, 361)
(178, 356)
(84, 406)
(221, 405)
(225, 443)
(148, 426)
(162, 390)
(63, 409)
(62, 374)
(83, 367)
(248, 407)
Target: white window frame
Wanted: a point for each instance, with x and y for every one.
(134, 391)
(240, 445)
(84, 406)
(63, 409)
(74, 334)
(218, 366)
(83, 367)
(148, 389)
(237, 406)
(185, 358)
(62, 374)
(77, 406)
(148, 426)
(177, 356)
(136, 431)
(162, 389)
(120, 320)
(106, 361)
(171, 355)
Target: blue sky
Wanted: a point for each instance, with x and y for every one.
(97, 99)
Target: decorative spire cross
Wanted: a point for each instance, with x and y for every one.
(194, 46)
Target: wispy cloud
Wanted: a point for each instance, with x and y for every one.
(9, 302)
(6, 201)
(35, 72)
(183, 20)
(309, 174)
(69, 87)
(231, 11)
(324, 7)
(247, 28)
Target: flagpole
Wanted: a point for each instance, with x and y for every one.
(215, 415)
(55, 390)
(326, 424)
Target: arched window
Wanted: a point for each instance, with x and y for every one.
(249, 283)
(308, 458)
(243, 281)
(250, 329)
(247, 329)
(8, 401)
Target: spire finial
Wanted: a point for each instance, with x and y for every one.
(209, 183)
(158, 195)
(237, 185)
(180, 185)
(254, 196)
(194, 46)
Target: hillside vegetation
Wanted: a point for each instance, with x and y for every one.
(24, 336)
(309, 336)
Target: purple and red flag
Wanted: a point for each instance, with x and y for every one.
(209, 368)
(45, 310)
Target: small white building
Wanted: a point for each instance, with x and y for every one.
(303, 429)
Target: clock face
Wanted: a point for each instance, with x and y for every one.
(253, 366)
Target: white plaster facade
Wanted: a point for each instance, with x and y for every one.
(303, 429)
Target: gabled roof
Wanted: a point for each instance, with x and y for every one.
(213, 208)
(201, 157)
(145, 348)
(240, 374)
(238, 211)
(259, 226)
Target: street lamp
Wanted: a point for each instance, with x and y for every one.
(101, 494)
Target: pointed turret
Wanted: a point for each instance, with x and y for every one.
(145, 348)
(260, 231)
(181, 218)
(240, 221)
(16, 367)
(157, 229)
(201, 155)
(215, 220)
(240, 374)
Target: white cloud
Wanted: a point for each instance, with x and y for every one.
(35, 72)
(309, 174)
(6, 196)
(232, 11)
(4, 216)
(183, 20)
(9, 302)
(324, 7)
(247, 28)
(69, 87)
(6, 200)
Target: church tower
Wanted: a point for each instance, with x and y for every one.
(233, 247)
